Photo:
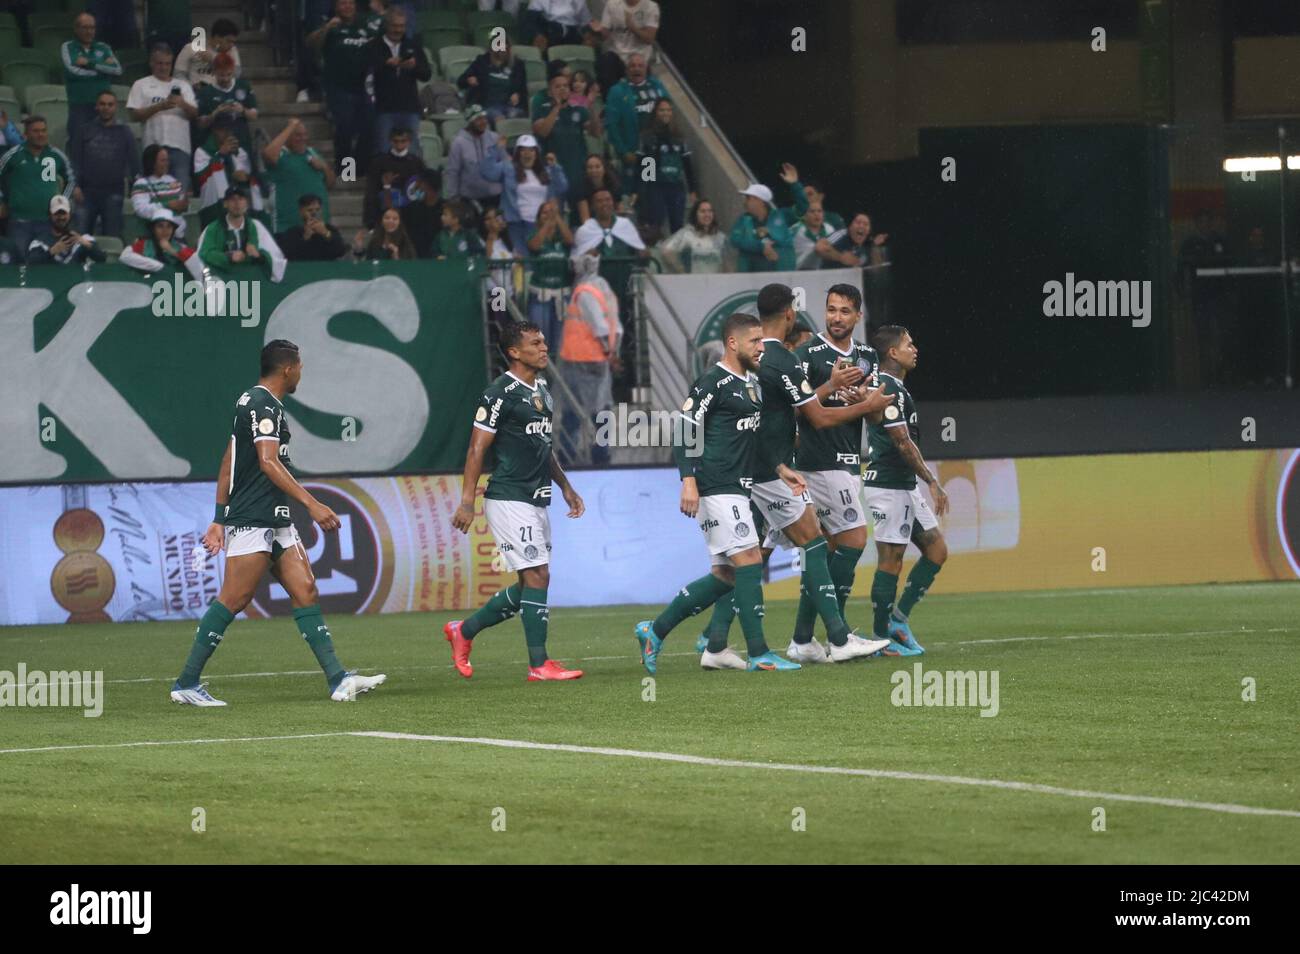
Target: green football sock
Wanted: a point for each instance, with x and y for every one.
(749, 607)
(844, 568)
(536, 616)
(724, 611)
(503, 605)
(883, 590)
(312, 626)
(918, 582)
(694, 597)
(208, 636)
(805, 616)
(816, 582)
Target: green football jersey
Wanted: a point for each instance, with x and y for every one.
(255, 501)
(728, 408)
(520, 417)
(885, 466)
(838, 447)
(784, 388)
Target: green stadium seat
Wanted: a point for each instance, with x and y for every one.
(135, 64)
(51, 37)
(449, 55)
(44, 93)
(529, 54)
(595, 145)
(12, 109)
(437, 40)
(535, 86)
(573, 54)
(11, 40)
(438, 20)
(451, 126)
(534, 70)
(510, 128)
(430, 146)
(455, 68)
(23, 73)
(121, 92)
(111, 245)
(54, 20)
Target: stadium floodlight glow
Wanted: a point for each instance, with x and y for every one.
(1259, 163)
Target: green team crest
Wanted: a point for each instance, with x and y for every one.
(708, 338)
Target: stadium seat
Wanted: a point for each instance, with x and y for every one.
(573, 54)
(121, 92)
(50, 20)
(535, 86)
(595, 145)
(478, 19)
(438, 20)
(455, 68)
(449, 55)
(451, 126)
(110, 244)
(51, 38)
(430, 146)
(529, 54)
(135, 64)
(23, 73)
(437, 40)
(510, 128)
(44, 93)
(10, 39)
(534, 70)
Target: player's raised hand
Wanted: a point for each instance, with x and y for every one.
(940, 498)
(213, 537)
(325, 518)
(576, 507)
(846, 375)
(463, 518)
(792, 479)
(690, 504)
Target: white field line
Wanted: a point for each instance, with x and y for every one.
(1226, 808)
(1221, 807)
(633, 653)
(136, 745)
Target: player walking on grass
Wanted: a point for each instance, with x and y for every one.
(514, 420)
(721, 417)
(830, 458)
(252, 522)
(900, 512)
(781, 494)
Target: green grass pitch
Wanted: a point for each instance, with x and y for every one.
(1114, 692)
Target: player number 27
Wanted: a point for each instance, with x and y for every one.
(525, 534)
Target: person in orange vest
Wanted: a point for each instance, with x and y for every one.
(589, 350)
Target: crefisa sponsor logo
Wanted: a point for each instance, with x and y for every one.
(78, 907)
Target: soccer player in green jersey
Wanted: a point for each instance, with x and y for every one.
(513, 420)
(254, 486)
(720, 419)
(830, 458)
(781, 494)
(900, 512)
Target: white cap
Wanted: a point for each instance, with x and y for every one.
(525, 142)
(758, 191)
(60, 203)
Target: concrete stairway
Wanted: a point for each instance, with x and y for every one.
(277, 91)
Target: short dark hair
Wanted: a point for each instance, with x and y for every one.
(773, 300)
(554, 68)
(815, 184)
(161, 48)
(735, 321)
(430, 177)
(224, 27)
(846, 291)
(150, 158)
(35, 118)
(278, 354)
(460, 209)
(886, 337)
(307, 199)
(399, 131)
(512, 334)
(107, 92)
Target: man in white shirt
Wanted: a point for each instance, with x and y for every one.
(199, 66)
(165, 105)
(554, 22)
(630, 26)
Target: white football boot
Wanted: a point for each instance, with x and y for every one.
(198, 696)
(354, 684)
(727, 659)
(809, 652)
(856, 647)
